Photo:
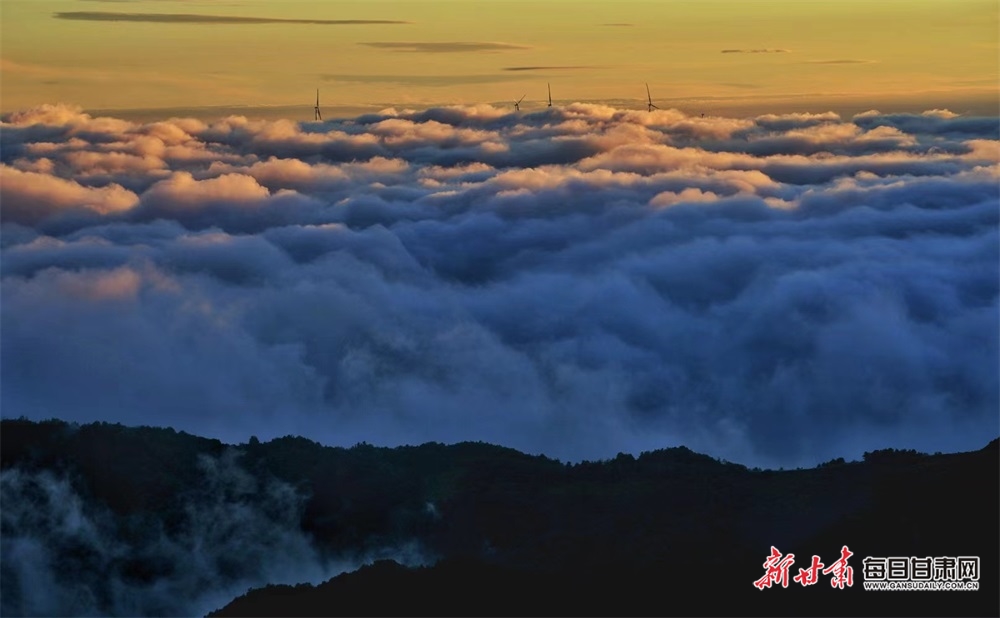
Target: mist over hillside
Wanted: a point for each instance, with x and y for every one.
(110, 520)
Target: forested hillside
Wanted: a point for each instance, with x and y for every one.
(112, 519)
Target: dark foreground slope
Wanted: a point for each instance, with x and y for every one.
(668, 532)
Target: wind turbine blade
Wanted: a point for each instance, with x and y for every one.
(522, 98)
(649, 96)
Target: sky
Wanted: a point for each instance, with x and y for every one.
(793, 258)
(266, 58)
(576, 281)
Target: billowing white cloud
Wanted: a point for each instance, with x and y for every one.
(30, 197)
(577, 281)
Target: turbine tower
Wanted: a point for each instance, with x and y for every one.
(650, 107)
(517, 104)
(316, 114)
(550, 94)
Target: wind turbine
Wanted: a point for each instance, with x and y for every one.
(550, 94)
(316, 114)
(517, 104)
(650, 107)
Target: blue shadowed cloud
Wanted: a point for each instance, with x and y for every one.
(577, 280)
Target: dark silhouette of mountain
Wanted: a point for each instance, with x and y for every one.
(668, 532)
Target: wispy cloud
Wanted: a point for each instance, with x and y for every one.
(233, 85)
(755, 51)
(193, 18)
(444, 47)
(419, 80)
(550, 68)
(844, 61)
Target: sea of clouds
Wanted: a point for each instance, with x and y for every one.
(576, 281)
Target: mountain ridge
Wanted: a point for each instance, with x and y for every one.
(591, 538)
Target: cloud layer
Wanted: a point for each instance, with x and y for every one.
(444, 47)
(550, 68)
(198, 18)
(755, 51)
(423, 81)
(577, 281)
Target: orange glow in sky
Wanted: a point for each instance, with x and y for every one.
(718, 56)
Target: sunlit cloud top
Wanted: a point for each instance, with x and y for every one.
(578, 281)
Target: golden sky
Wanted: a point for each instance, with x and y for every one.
(715, 56)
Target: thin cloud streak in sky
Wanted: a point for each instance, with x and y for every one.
(191, 18)
(429, 81)
(444, 47)
(579, 280)
(755, 51)
(550, 68)
(845, 61)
